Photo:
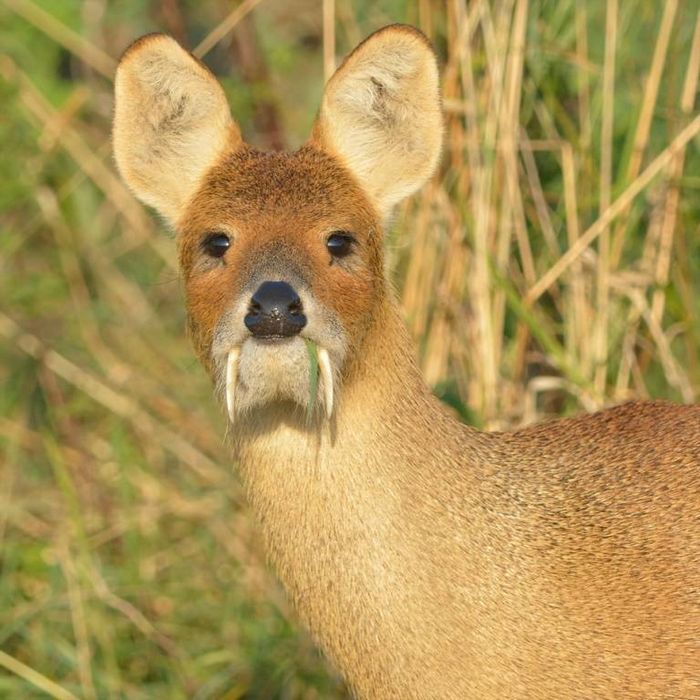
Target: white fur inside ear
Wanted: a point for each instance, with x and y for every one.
(381, 115)
(171, 123)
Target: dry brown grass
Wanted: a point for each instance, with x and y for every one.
(572, 251)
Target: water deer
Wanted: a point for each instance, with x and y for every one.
(428, 559)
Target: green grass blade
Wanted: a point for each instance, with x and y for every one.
(313, 375)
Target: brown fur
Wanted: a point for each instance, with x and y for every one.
(268, 202)
(431, 560)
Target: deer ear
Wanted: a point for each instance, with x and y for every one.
(171, 123)
(381, 114)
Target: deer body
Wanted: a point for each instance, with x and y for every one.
(435, 561)
(430, 560)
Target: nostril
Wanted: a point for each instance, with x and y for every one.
(254, 307)
(295, 307)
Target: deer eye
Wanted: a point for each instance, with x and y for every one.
(216, 244)
(339, 244)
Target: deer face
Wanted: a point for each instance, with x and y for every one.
(281, 253)
(277, 250)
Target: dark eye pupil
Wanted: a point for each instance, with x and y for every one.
(339, 244)
(216, 244)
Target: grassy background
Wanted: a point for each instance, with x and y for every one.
(552, 266)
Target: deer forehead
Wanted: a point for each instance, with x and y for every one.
(286, 195)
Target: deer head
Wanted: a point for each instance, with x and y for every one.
(279, 248)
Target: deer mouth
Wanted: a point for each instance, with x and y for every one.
(260, 369)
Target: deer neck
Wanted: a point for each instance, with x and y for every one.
(351, 483)
(356, 515)
(378, 429)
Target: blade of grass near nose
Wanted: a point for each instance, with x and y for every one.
(313, 374)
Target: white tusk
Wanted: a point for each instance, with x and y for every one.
(231, 379)
(324, 364)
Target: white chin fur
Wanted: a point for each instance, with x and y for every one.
(258, 373)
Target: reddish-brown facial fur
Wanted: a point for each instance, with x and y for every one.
(279, 208)
(430, 560)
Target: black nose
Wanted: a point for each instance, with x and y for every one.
(275, 311)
